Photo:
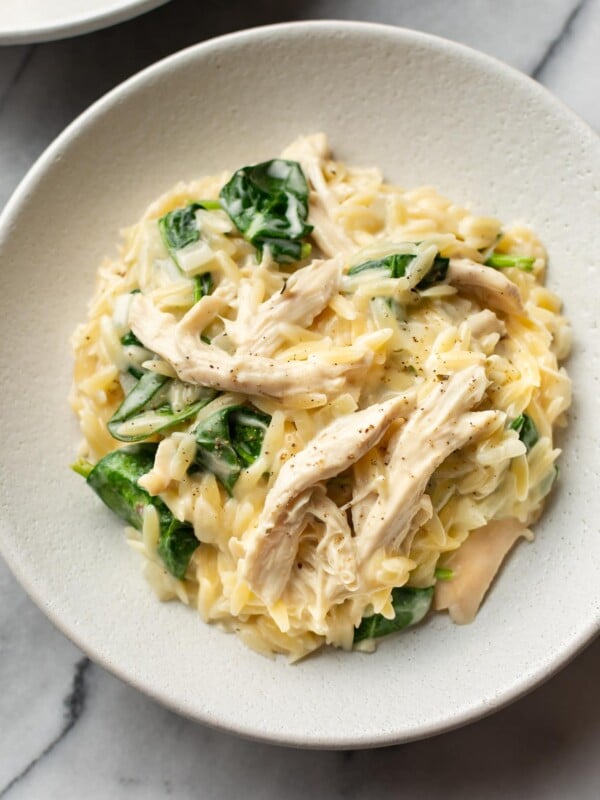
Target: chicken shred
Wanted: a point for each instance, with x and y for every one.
(441, 424)
(271, 547)
(310, 152)
(304, 296)
(486, 322)
(195, 362)
(489, 285)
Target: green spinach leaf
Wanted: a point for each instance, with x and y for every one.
(397, 263)
(410, 606)
(115, 480)
(248, 428)
(129, 339)
(143, 404)
(525, 427)
(179, 228)
(229, 440)
(203, 286)
(268, 203)
(176, 545)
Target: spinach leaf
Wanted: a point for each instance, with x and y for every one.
(215, 452)
(176, 545)
(115, 480)
(248, 428)
(436, 274)
(502, 261)
(525, 427)
(229, 440)
(268, 204)
(179, 228)
(397, 263)
(286, 252)
(135, 372)
(129, 339)
(142, 403)
(410, 606)
(203, 286)
(138, 398)
(155, 421)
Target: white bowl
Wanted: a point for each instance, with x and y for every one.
(427, 111)
(25, 21)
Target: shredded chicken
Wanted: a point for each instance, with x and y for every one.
(195, 362)
(272, 546)
(489, 285)
(310, 152)
(440, 425)
(485, 322)
(474, 566)
(336, 546)
(257, 331)
(326, 574)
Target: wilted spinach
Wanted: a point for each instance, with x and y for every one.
(268, 203)
(525, 427)
(115, 480)
(179, 228)
(147, 400)
(397, 263)
(128, 339)
(410, 606)
(229, 440)
(203, 286)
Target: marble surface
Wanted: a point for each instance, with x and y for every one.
(69, 728)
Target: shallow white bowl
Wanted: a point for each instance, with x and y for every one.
(427, 111)
(25, 21)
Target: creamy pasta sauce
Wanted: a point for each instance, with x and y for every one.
(345, 394)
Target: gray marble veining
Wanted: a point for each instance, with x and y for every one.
(70, 729)
(571, 69)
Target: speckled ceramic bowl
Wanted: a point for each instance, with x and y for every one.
(426, 111)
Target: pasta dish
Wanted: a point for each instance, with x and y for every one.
(323, 404)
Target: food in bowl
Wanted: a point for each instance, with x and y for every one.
(322, 403)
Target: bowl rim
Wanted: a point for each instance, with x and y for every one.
(76, 25)
(28, 184)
